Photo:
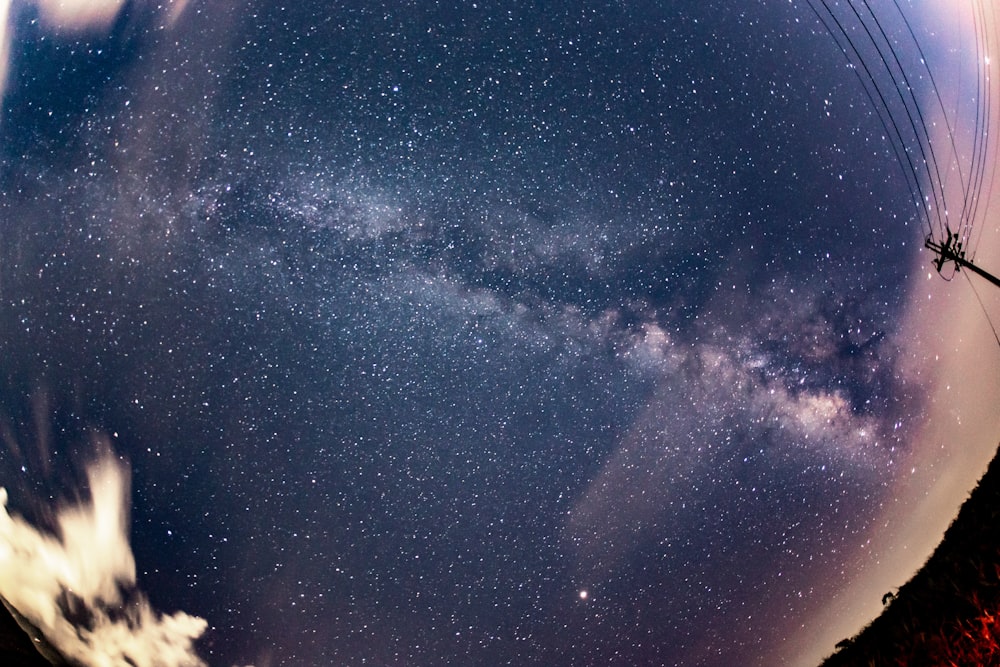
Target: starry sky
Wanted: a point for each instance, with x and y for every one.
(567, 333)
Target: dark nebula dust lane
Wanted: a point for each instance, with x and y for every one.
(440, 334)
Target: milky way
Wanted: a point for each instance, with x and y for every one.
(530, 335)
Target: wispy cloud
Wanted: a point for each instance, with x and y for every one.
(4, 45)
(730, 407)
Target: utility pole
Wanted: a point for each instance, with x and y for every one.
(951, 251)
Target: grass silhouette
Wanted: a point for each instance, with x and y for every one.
(948, 614)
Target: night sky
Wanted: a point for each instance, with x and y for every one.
(552, 334)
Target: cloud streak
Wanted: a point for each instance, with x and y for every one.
(67, 15)
(77, 586)
(72, 17)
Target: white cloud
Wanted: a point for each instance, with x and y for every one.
(86, 565)
(70, 16)
(78, 14)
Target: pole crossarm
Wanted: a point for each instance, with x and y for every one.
(951, 250)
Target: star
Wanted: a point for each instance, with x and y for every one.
(425, 328)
